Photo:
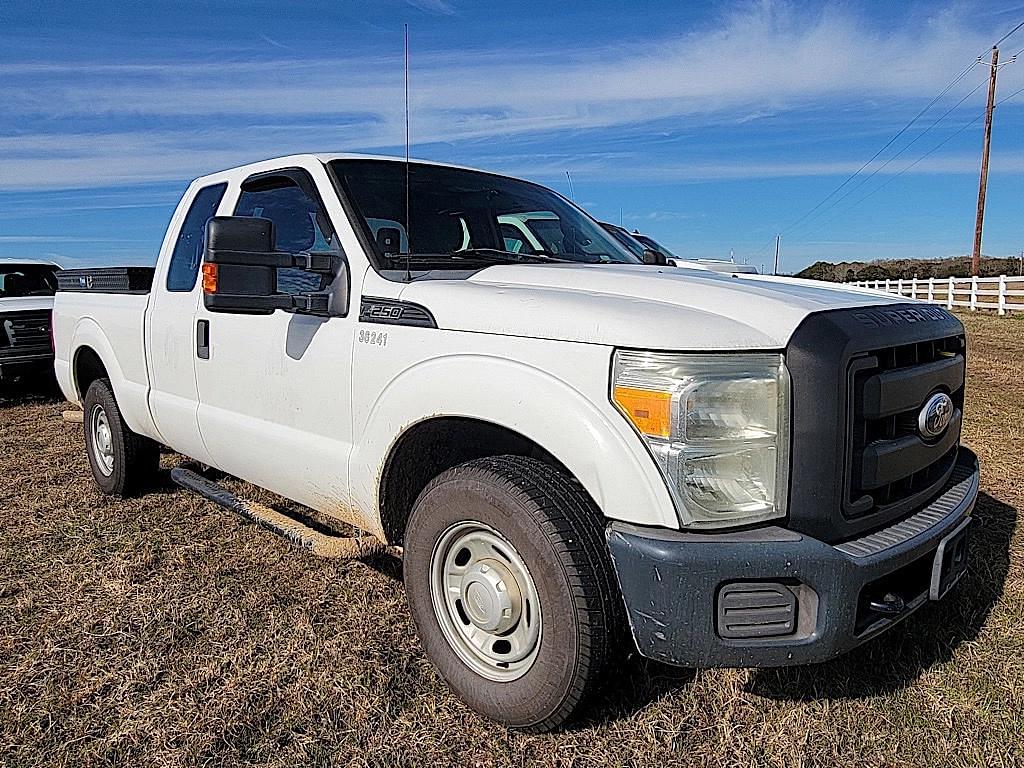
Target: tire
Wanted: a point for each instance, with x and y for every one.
(122, 462)
(515, 511)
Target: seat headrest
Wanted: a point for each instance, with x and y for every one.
(12, 284)
(435, 233)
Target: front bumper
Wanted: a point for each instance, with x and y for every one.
(774, 597)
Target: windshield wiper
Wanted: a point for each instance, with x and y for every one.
(510, 257)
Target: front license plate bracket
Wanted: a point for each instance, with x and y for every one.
(950, 561)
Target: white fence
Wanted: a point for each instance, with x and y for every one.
(1003, 294)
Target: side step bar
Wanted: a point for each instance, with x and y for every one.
(298, 533)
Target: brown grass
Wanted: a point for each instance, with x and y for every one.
(165, 631)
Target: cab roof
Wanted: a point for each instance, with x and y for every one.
(323, 157)
(7, 261)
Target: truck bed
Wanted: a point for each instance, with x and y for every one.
(110, 321)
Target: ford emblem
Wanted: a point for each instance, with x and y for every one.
(935, 415)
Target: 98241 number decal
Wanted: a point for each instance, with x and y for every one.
(378, 338)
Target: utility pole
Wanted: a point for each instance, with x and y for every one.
(778, 239)
(983, 184)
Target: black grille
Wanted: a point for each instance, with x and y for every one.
(859, 378)
(25, 330)
(891, 466)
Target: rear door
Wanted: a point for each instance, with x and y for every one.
(275, 390)
(170, 326)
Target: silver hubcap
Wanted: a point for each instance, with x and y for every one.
(485, 601)
(102, 440)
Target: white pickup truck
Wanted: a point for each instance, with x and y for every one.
(740, 470)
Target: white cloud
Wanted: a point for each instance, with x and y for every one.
(433, 6)
(764, 60)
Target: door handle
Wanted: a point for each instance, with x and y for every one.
(203, 339)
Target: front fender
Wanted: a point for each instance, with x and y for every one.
(582, 430)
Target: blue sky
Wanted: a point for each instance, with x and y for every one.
(709, 126)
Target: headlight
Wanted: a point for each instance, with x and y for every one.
(717, 426)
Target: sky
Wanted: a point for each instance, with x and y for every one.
(709, 126)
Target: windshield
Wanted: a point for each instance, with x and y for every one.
(27, 280)
(630, 242)
(461, 219)
(653, 244)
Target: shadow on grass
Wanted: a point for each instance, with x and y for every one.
(897, 658)
(635, 684)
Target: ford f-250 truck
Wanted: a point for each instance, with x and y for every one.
(744, 471)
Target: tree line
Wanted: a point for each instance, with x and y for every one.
(906, 269)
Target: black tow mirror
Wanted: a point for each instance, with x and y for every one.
(240, 269)
(652, 256)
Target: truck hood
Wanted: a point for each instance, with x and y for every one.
(646, 307)
(25, 303)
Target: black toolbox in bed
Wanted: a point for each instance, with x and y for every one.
(106, 280)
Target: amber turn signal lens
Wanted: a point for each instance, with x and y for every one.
(650, 411)
(209, 278)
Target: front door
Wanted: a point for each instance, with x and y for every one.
(274, 390)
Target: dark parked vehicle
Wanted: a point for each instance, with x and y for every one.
(629, 241)
(26, 304)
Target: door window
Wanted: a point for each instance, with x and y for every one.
(301, 225)
(188, 251)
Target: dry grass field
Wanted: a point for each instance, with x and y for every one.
(166, 631)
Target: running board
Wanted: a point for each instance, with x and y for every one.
(296, 532)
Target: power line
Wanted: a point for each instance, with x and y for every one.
(887, 144)
(1008, 34)
(931, 151)
(1015, 93)
(927, 154)
(900, 132)
(949, 86)
(903, 149)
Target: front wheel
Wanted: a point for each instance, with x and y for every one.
(511, 587)
(122, 461)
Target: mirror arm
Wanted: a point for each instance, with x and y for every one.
(323, 263)
(317, 303)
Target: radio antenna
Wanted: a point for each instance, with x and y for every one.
(408, 233)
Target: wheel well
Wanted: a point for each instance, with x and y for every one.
(429, 448)
(88, 368)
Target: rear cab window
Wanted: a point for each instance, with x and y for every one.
(188, 250)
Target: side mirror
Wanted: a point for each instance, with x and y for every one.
(652, 256)
(240, 269)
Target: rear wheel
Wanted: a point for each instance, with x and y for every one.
(122, 461)
(511, 588)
